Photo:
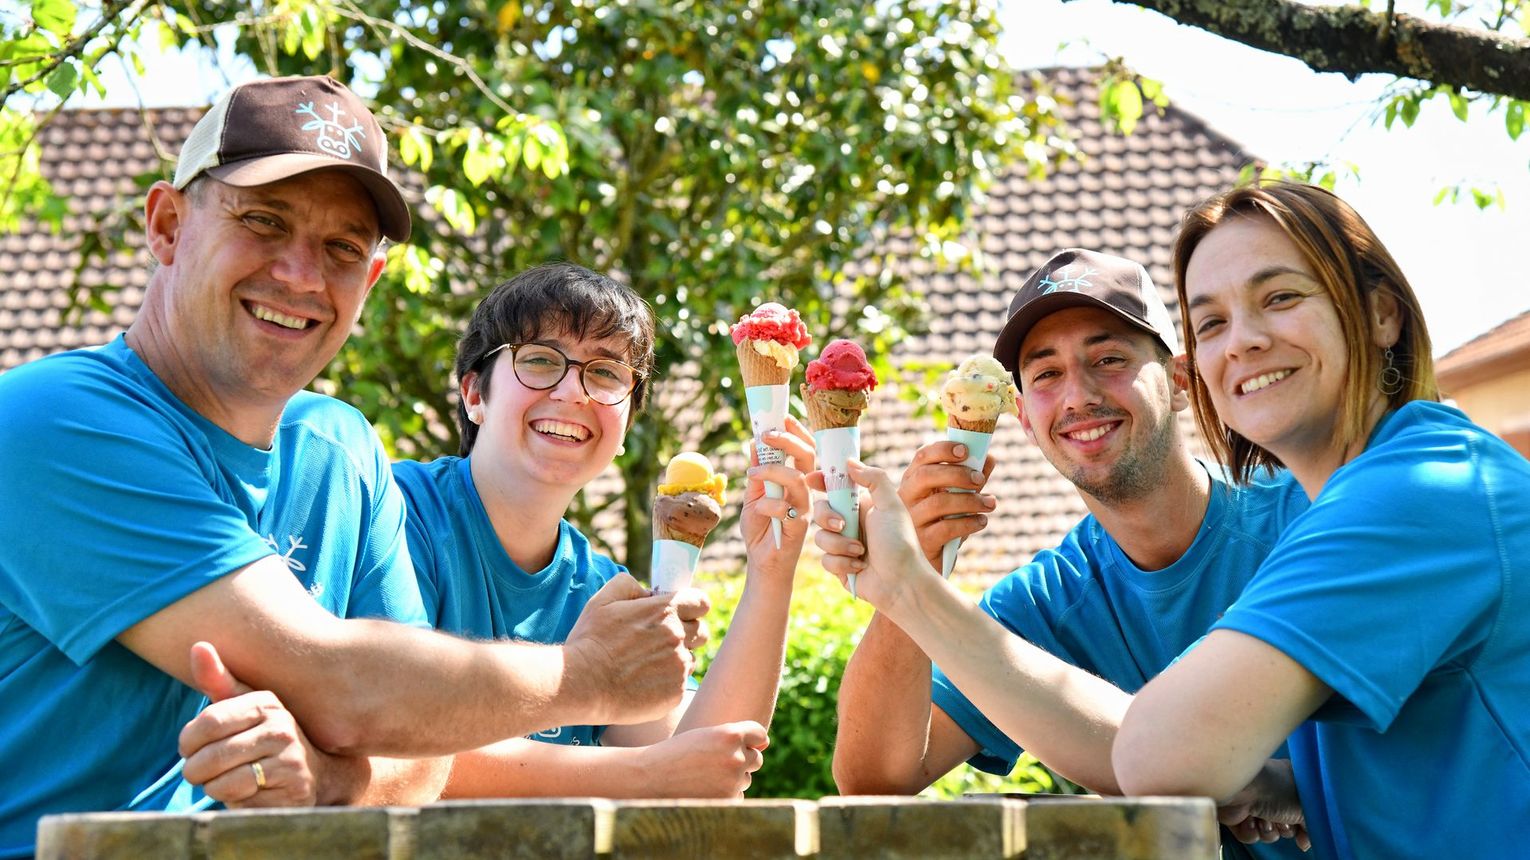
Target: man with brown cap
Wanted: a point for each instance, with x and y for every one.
(174, 497)
(1166, 547)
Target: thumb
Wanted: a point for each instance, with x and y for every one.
(620, 587)
(884, 493)
(752, 734)
(209, 675)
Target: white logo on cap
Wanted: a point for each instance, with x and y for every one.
(1049, 284)
(333, 137)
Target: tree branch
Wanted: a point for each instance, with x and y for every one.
(1354, 41)
(109, 13)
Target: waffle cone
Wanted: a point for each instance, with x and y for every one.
(664, 531)
(823, 414)
(984, 426)
(759, 369)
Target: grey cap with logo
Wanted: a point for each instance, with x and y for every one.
(1078, 277)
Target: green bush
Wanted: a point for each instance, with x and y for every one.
(824, 629)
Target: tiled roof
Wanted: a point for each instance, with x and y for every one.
(93, 158)
(1124, 197)
(1503, 348)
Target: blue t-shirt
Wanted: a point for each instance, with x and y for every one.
(1406, 588)
(471, 586)
(117, 500)
(1086, 603)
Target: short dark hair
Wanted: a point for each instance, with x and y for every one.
(555, 298)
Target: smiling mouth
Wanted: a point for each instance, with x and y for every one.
(261, 312)
(1263, 380)
(1092, 433)
(561, 430)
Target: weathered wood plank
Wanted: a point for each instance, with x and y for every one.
(111, 835)
(549, 829)
(1138, 828)
(907, 827)
(714, 829)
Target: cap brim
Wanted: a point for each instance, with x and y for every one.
(1007, 348)
(392, 212)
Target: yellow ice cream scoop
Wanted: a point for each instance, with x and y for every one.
(690, 472)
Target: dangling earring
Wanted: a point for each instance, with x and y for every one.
(1390, 381)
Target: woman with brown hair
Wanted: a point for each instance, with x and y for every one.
(1386, 636)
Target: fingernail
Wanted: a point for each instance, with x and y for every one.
(989, 502)
(977, 477)
(836, 523)
(960, 451)
(857, 549)
(982, 520)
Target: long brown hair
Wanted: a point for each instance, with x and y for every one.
(1352, 264)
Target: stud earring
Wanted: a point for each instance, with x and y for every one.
(475, 414)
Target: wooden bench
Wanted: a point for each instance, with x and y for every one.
(1060, 828)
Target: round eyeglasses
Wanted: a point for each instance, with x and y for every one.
(540, 367)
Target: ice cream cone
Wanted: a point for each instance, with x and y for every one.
(828, 408)
(758, 368)
(687, 506)
(688, 517)
(979, 426)
(835, 395)
(976, 393)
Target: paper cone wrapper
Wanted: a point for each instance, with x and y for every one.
(977, 451)
(758, 368)
(836, 445)
(674, 562)
(984, 426)
(767, 411)
(822, 416)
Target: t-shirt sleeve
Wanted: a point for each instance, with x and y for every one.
(386, 586)
(1010, 601)
(1387, 576)
(414, 488)
(110, 512)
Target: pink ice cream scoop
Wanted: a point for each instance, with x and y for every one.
(842, 366)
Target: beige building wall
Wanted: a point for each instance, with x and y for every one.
(1499, 404)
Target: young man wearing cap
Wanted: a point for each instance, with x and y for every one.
(174, 496)
(1166, 547)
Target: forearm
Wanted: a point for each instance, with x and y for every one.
(410, 692)
(884, 715)
(405, 781)
(1063, 715)
(742, 681)
(519, 767)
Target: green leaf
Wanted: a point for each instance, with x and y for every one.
(1128, 101)
(1514, 119)
(55, 16)
(1458, 105)
(313, 32)
(64, 80)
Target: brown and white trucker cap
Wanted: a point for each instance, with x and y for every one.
(273, 129)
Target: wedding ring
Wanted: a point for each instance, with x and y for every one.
(791, 512)
(260, 774)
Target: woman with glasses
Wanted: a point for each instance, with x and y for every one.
(552, 370)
